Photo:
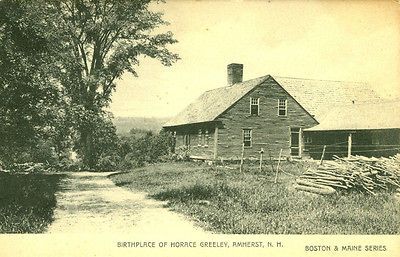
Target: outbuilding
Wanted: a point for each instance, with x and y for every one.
(369, 129)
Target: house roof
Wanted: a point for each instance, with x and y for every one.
(213, 102)
(315, 96)
(381, 115)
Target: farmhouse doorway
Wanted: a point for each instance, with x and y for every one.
(295, 137)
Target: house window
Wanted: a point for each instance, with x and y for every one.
(206, 138)
(199, 138)
(254, 106)
(375, 139)
(282, 107)
(247, 137)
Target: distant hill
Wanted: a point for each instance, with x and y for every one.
(125, 124)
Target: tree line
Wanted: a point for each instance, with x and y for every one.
(59, 63)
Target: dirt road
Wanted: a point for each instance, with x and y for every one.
(91, 203)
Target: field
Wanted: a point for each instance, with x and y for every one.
(27, 202)
(224, 200)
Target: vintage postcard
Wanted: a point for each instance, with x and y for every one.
(199, 128)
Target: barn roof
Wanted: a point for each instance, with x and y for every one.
(315, 96)
(381, 115)
(318, 97)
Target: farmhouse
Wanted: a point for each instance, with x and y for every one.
(269, 113)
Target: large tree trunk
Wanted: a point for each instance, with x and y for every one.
(87, 148)
(89, 155)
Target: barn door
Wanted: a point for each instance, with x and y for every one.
(295, 137)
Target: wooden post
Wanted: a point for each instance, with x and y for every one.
(271, 161)
(277, 167)
(349, 146)
(216, 142)
(173, 142)
(323, 155)
(300, 142)
(241, 159)
(261, 158)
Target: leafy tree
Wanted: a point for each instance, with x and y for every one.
(101, 40)
(32, 106)
(73, 51)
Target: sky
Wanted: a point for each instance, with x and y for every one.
(330, 40)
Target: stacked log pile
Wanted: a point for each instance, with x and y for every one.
(357, 173)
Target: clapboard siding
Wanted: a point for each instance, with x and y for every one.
(269, 131)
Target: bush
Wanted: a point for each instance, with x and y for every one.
(35, 158)
(131, 161)
(44, 152)
(107, 163)
(147, 148)
(66, 164)
(22, 157)
(182, 153)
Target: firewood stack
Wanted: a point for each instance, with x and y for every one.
(357, 173)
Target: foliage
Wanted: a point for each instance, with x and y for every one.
(182, 153)
(45, 153)
(251, 203)
(148, 148)
(27, 202)
(104, 39)
(101, 40)
(32, 105)
(107, 163)
(104, 142)
(59, 63)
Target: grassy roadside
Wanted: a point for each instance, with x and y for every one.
(27, 202)
(226, 201)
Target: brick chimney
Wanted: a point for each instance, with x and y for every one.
(235, 73)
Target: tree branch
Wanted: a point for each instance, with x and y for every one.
(83, 57)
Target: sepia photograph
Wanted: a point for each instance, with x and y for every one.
(199, 128)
